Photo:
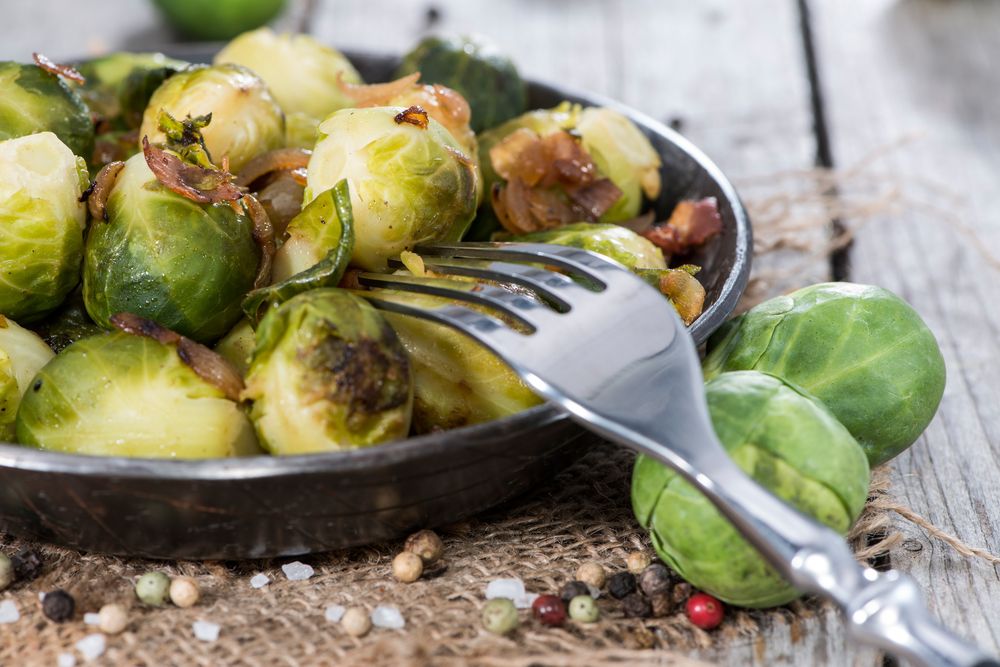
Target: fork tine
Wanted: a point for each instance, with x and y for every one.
(527, 310)
(587, 265)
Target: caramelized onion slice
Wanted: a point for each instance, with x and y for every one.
(377, 94)
(65, 71)
(205, 186)
(282, 159)
(98, 198)
(263, 236)
(413, 115)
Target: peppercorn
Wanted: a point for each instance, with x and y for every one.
(584, 609)
(153, 588)
(6, 572)
(572, 589)
(500, 616)
(592, 573)
(655, 579)
(58, 606)
(621, 584)
(27, 564)
(635, 605)
(636, 562)
(356, 622)
(704, 611)
(425, 544)
(549, 609)
(112, 619)
(407, 567)
(184, 592)
(680, 593)
(662, 604)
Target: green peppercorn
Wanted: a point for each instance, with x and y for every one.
(153, 588)
(500, 616)
(6, 572)
(583, 608)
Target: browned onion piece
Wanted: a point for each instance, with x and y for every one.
(281, 159)
(281, 197)
(103, 183)
(377, 94)
(692, 223)
(263, 235)
(414, 116)
(209, 366)
(205, 186)
(65, 71)
(595, 198)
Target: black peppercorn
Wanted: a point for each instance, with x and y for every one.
(27, 564)
(573, 589)
(58, 606)
(655, 579)
(621, 584)
(635, 605)
(662, 604)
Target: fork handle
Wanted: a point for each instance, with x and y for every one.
(881, 608)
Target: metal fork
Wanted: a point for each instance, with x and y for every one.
(610, 350)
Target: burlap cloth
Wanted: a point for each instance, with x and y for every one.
(582, 515)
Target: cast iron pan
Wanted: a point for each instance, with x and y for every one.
(269, 506)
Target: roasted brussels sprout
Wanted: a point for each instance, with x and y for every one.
(860, 349)
(236, 347)
(303, 75)
(41, 224)
(456, 381)
(790, 444)
(33, 100)
(118, 86)
(477, 70)
(551, 167)
(614, 241)
(409, 181)
(119, 394)
(328, 373)
(246, 121)
(183, 264)
(22, 354)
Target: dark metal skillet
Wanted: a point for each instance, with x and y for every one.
(269, 506)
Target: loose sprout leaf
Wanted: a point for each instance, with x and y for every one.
(413, 115)
(97, 197)
(329, 208)
(184, 138)
(209, 366)
(65, 71)
(205, 186)
(681, 287)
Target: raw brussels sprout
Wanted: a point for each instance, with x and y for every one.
(246, 121)
(860, 349)
(328, 373)
(119, 85)
(185, 265)
(302, 74)
(614, 241)
(410, 182)
(33, 100)
(22, 354)
(477, 70)
(790, 444)
(41, 224)
(123, 395)
(236, 347)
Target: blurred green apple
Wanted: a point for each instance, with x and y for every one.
(218, 19)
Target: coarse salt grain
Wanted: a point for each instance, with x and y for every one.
(41, 597)
(297, 571)
(505, 588)
(384, 616)
(205, 631)
(66, 660)
(92, 619)
(525, 601)
(9, 612)
(92, 646)
(595, 592)
(260, 580)
(335, 612)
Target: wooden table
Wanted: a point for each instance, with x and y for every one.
(769, 87)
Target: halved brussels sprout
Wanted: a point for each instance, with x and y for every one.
(182, 264)
(33, 100)
(456, 381)
(246, 121)
(860, 349)
(41, 224)
(409, 180)
(22, 354)
(123, 395)
(477, 70)
(328, 373)
(790, 444)
(302, 74)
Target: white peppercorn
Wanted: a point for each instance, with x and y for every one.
(112, 619)
(425, 544)
(356, 622)
(407, 567)
(592, 573)
(636, 562)
(184, 592)
(6, 572)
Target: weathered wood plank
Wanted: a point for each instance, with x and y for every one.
(927, 69)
